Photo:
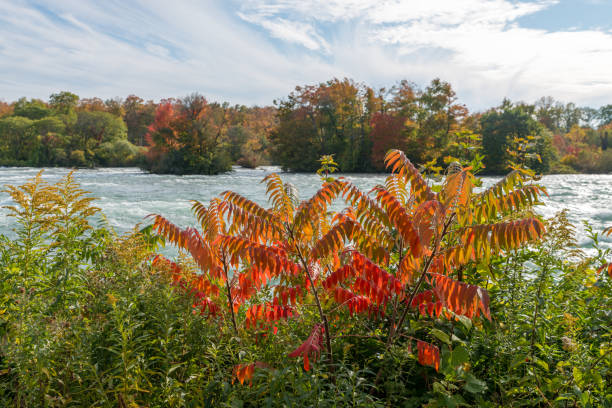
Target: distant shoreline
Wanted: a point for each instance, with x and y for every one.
(488, 174)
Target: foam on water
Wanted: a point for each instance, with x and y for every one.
(127, 195)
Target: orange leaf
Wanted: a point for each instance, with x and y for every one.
(428, 354)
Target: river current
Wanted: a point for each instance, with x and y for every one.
(128, 195)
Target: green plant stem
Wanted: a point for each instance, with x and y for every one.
(536, 311)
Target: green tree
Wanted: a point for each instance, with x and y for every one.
(63, 103)
(605, 115)
(51, 132)
(549, 112)
(508, 126)
(32, 109)
(237, 137)
(437, 117)
(50, 124)
(95, 127)
(590, 116)
(19, 143)
(571, 116)
(117, 153)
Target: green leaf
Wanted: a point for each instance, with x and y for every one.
(457, 339)
(577, 375)
(584, 398)
(541, 363)
(459, 356)
(474, 385)
(173, 368)
(518, 360)
(467, 322)
(440, 335)
(439, 388)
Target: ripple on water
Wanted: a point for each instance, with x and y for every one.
(127, 195)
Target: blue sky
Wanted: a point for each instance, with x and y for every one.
(255, 51)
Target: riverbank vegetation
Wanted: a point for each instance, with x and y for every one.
(192, 136)
(416, 294)
(65, 131)
(354, 122)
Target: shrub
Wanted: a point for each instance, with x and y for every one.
(117, 153)
(89, 318)
(250, 160)
(77, 157)
(379, 262)
(59, 156)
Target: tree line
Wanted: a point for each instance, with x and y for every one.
(358, 125)
(355, 123)
(68, 131)
(187, 135)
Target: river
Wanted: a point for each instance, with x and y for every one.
(128, 195)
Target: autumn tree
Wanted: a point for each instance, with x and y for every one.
(330, 118)
(358, 125)
(138, 116)
(437, 118)
(187, 136)
(248, 134)
(94, 104)
(393, 126)
(388, 131)
(5, 109)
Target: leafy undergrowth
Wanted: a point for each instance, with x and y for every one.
(414, 295)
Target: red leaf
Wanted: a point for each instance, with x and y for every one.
(311, 347)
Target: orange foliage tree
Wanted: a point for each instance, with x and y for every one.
(5, 109)
(187, 136)
(402, 249)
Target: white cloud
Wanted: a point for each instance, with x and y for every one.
(154, 50)
(478, 45)
(158, 49)
(453, 12)
(291, 31)
(321, 10)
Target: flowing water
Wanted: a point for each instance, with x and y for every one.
(128, 195)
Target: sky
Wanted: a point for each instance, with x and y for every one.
(255, 51)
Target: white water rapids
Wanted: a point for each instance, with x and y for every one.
(127, 195)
